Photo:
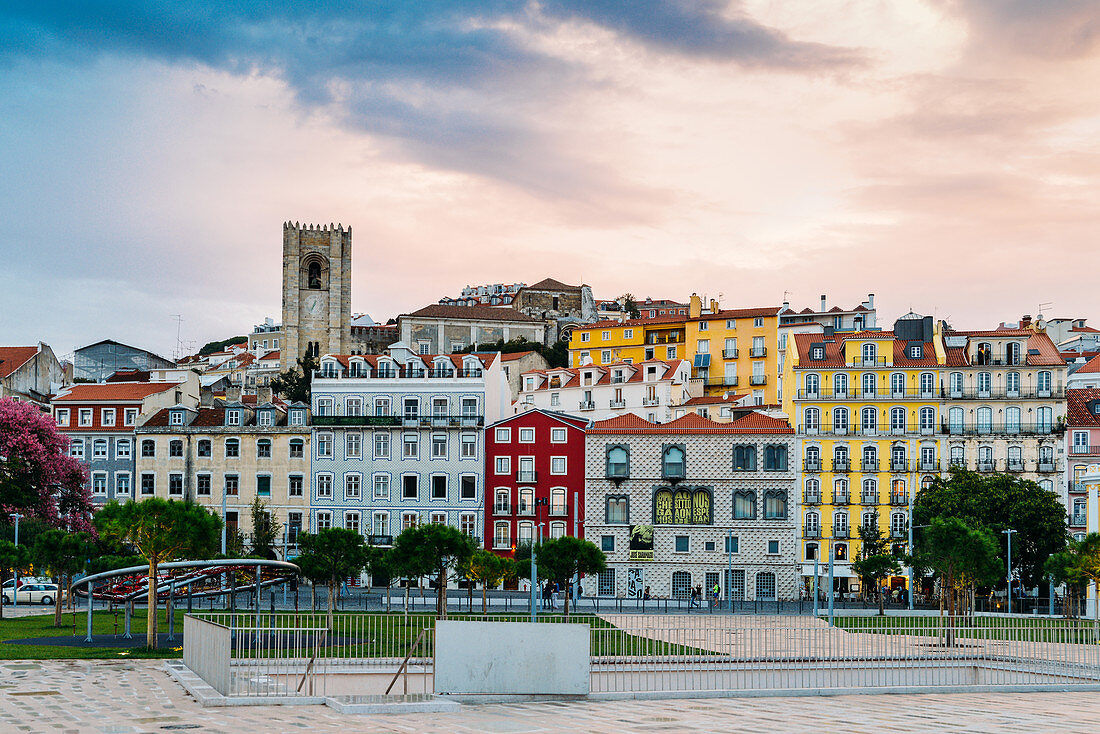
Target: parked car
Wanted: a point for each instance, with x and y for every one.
(24, 580)
(32, 594)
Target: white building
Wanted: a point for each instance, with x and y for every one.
(649, 390)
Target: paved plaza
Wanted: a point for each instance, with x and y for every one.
(117, 697)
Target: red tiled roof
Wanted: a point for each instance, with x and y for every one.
(692, 423)
(1085, 329)
(608, 323)
(12, 358)
(471, 313)
(1093, 365)
(571, 375)
(513, 356)
(715, 400)
(549, 284)
(834, 357)
(1077, 411)
(572, 420)
(114, 391)
(272, 355)
(738, 313)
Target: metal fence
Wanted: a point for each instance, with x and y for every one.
(287, 654)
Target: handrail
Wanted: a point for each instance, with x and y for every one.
(404, 664)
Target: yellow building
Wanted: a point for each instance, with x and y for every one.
(634, 341)
(735, 349)
(866, 408)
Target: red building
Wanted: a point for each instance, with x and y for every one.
(534, 474)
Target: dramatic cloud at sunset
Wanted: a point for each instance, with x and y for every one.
(942, 154)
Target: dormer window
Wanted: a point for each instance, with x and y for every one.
(175, 418)
(916, 351)
(817, 353)
(265, 418)
(328, 369)
(297, 417)
(233, 417)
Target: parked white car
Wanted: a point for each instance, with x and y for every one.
(32, 594)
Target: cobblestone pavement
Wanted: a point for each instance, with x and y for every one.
(117, 697)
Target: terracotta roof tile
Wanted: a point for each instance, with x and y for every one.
(609, 324)
(113, 391)
(692, 423)
(549, 284)
(715, 400)
(1077, 410)
(471, 313)
(1093, 365)
(12, 358)
(738, 313)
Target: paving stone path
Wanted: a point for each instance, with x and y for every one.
(120, 697)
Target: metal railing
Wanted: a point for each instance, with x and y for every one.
(758, 351)
(287, 654)
(758, 380)
(1084, 449)
(1077, 519)
(729, 354)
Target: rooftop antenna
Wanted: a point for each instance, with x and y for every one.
(1048, 304)
(179, 344)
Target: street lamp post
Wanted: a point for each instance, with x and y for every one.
(15, 589)
(729, 577)
(1009, 533)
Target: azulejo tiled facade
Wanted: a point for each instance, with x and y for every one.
(671, 512)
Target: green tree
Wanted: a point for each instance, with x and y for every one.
(160, 531)
(296, 384)
(556, 355)
(566, 557)
(218, 346)
(12, 558)
(998, 502)
(265, 529)
(332, 554)
(1064, 568)
(874, 561)
(963, 555)
(432, 549)
(630, 305)
(63, 555)
(488, 569)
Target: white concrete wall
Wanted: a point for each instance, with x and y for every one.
(511, 658)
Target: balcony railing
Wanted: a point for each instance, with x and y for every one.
(758, 352)
(527, 476)
(650, 401)
(812, 498)
(869, 498)
(841, 496)
(986, 466)
(729, 354)
(587, 405)
(812, 465)
(618, 404)
(1084, 449)
(399, 373)
(1047, 466)
(1078, 487)
(840, 533)
(557, 511)
(1001, 428)
(758, 380)
(811, 531)
(1015, 465)
(929, 465)
(869, 465)
(841, 465)
(899, 498)
(868, 362)
(502, 508)
(899, 465)
(896, 534)
(525, 509)
(1078, 520)
(356, 420)
(724, 381)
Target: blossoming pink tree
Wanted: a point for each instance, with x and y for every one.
(38, 478)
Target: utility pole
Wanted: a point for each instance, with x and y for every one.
(1009, 533)
(729, 577)
(15, 589)
(830, 588)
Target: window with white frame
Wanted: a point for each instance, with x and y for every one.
(557, 435)
(410, 446)
(467, 487)
(175, 485)
(99, 482)
(297, 417)
(557, 464)
(324, 485)
(467, 523)
(352, 486)
(557, 529)
(122, 483)
(148, 483)
(503, 435)
(76, 448)
(324, 445)
(107, 416)
(232, 485)
(382, 406)
(381, 488)
(527, 435)
(439, 486)
(439, 446)
(351, 521)
(62, 416)
(381, 445)
(263, 448)
(99, 448)
(381, 523)
(502, 537)
(324, 520)
(85, 416)
(129, 416)
(503, 465)
(409, 520)
(233, 417)
(205, 448)
(410, 486)
(123, 448)
(295, 484)
(469, 446)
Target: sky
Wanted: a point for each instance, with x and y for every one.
(942, 154)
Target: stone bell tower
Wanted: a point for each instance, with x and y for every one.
(316, 291)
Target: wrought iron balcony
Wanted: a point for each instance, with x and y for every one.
(899, 498)
(758, 380)
(868, 498)
(811, 531)
(618, 404)
(502, 508)
(527, 476)
(1078, 519)
(841, 496)
(729, 353)
(812, 465)
(758, 352)
(587, 405)
(869, 465)
(650, 401)
(899, 465)
(812, 498)
(841, 465)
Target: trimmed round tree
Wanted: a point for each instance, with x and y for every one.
(161, 531)
(63, 555)
(432, 550)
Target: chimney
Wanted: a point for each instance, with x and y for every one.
(713, 305)
(822, 302)
(263, 395)
(871, 301)
(232, 393)
(1025, 321)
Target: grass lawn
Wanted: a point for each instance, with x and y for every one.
(103, 624)
(986, 628)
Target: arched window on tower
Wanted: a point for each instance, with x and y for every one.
(314, 275)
